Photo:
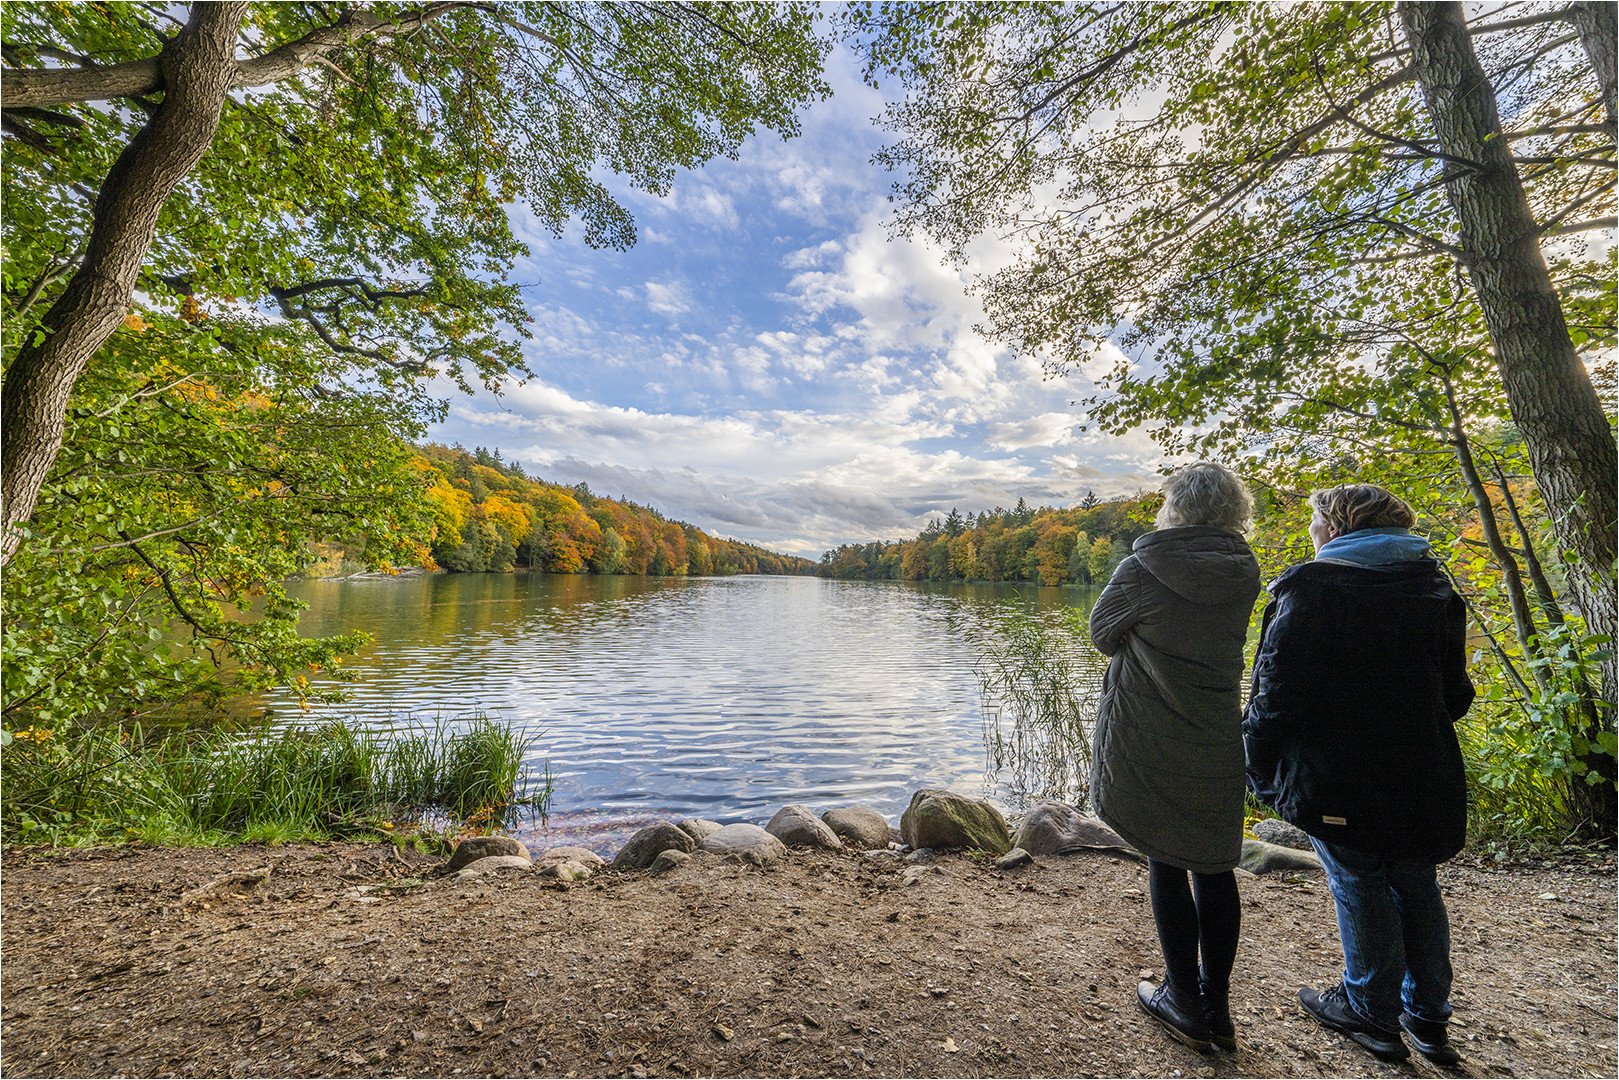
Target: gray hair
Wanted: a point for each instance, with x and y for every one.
(1207, 494)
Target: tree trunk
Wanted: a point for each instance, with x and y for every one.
(1571, 447)
(197, 67)
(1598, 24)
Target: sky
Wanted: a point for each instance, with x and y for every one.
(770, 363)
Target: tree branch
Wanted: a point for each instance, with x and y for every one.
(45, 87)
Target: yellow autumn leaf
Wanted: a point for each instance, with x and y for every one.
(134, 322)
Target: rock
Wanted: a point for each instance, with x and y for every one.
(1259, 857)
(943, 819)
(882, 857)
(567, 870)
(699, 829)
(920, 855)
(1277, 831)
(913, 875)
(748, 843)
(858, 826)
(669, 860)
(491, 863)
(474, 848)
(1014, 859)
(649, 843)
(236, 883)
(1050, 826)
(583, 856)
(796, 826)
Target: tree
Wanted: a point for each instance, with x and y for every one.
(362, 194)
(199, 387)
(1309, 171)
(1054, 550)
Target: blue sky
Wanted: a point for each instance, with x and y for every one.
(768, 363)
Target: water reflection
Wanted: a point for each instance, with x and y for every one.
(723, 698)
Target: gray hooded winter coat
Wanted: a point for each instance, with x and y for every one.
(1166, 759)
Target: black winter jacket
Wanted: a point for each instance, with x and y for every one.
(1350, 730)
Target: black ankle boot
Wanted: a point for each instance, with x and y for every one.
(1217, 1016)
(1181, 1017)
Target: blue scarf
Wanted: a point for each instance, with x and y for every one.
(1369, 547)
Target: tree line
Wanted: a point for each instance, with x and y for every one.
(1078, 545)
(490, 515)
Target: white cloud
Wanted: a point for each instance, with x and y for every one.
(667, 298)
(770, 360)
(1047, 429)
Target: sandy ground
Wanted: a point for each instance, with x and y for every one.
(822, 967)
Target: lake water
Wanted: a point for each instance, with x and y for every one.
(721, 698)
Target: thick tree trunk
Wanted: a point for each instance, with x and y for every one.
(1571, 447)
(197, 66)
(1598, 24)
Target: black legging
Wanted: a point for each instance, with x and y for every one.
(1213, 921)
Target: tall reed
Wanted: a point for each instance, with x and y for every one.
(93, 784)
(1039, 683)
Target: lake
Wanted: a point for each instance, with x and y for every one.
(721, 698)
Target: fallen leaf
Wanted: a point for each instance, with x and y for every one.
(950, 1046)
(725, 1033)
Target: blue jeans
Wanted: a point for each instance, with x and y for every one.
(1396, 935)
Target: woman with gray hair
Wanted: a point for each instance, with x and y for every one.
(1167, 760)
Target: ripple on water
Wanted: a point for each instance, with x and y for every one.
(723, 698)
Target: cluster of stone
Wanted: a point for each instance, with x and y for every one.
(935, 821)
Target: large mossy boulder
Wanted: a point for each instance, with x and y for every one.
(944, 820)
(645, 846)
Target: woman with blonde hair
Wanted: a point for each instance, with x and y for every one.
(1167, 764)
(1360, 679)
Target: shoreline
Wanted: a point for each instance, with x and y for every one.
(821, 965)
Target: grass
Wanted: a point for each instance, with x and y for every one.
(1039, 687)
(99, 784)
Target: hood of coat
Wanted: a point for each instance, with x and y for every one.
(1203, 563)
(1406, 577)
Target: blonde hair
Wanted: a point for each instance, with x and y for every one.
(1352, 507)
(1207, 494)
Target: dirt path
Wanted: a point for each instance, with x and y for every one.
(821, 968)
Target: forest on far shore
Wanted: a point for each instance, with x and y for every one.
(490, 515)
(1079, 545)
